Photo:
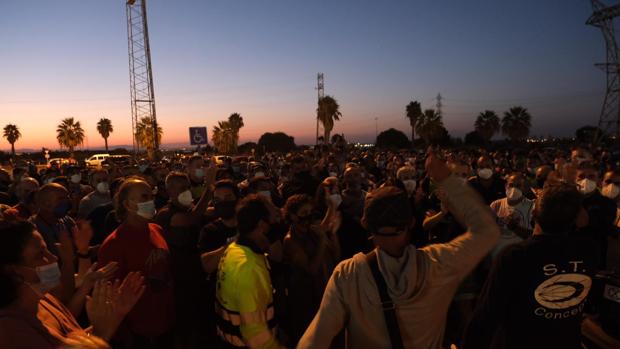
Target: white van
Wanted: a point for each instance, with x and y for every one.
(96, 160)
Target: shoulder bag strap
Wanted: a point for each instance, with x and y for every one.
(389, 312)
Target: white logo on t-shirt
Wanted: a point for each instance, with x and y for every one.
(563, 291)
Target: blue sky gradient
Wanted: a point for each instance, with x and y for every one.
(260, 58)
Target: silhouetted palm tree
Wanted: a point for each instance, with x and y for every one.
(414, 112)
(144, 135)
(70, 134)
(235, 122)
(104, 127)
(429, 126)
(12, 134)
(487, 124)
(328, 112)
(516, 123)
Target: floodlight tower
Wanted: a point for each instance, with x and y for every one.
(603, 18)
(140, 71)
(320, 87)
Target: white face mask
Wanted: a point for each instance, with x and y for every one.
(49, 276)
(76, 178)
(485, 173)
(611, 191)
(259, 174)
(103, 187)
(143, 168)
(513, 193)
(333, 174)
(185, 198)
(586, 186)
(410, 185)
(199, 173)
(335, 199)
(146, 209)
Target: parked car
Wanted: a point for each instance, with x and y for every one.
(61, 161)
(118, 160)
(96, 160)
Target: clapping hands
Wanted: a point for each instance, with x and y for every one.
(110, 302)
(104, 274)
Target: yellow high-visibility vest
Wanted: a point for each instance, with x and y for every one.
(244, 299)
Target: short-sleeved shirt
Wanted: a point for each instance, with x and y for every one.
(536, 292)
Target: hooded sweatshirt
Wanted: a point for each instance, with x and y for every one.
(421, 283)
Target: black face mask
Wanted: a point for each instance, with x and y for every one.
(225, 209)
(540, 182)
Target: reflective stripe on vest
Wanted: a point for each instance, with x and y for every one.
(231, 339)
(228, 327)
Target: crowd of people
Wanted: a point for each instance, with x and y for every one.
(324, 248)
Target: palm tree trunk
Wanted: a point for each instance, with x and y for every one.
(106, 144)
(13, 149)
(326, 136)
(413, 136)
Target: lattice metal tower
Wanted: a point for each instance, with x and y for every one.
(603, 18)
(140, 71)
(320, 88)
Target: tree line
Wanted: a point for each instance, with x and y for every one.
(515, 124)
(70, 133)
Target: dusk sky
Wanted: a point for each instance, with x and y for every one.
(260, 58)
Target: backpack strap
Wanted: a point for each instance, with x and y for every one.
(389, 310)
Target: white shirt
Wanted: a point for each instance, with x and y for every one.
(505, 213)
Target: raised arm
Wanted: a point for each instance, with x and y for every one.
(460, 256)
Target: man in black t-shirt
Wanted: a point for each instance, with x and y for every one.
(213, 240)
(536, 292)
(601, 210)
(223, 230)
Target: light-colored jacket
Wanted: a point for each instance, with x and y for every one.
(421, 283)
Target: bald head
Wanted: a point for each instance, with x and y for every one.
(49, 196)
(25, 187)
